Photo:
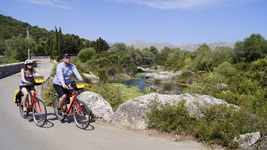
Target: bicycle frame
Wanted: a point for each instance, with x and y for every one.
(81, 112)
(73, 103)
(33, 101)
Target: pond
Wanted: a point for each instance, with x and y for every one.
(139, 82)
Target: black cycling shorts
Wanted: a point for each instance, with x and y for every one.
(28, 87)
(60, 90)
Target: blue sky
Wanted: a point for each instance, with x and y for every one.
(172, 21)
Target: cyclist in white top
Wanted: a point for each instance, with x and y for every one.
(64, 72)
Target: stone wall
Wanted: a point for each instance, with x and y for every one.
(9, 69)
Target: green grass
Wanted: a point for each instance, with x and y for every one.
(127, 93)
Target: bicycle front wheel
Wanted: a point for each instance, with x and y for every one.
(39, 112)
(81, 115)
(60, 116)
(23, 113)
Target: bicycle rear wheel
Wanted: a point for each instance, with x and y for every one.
(39, 112)
(60, 116)
(81, 115)
(23, 113)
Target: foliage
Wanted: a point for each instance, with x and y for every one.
(162, 56)
(171, 118)
(252, 48)
(205, 83)
(17, 47)
(108, 92)
(86, 54)
(226, 69)
(100, 45)
(7, 60)
(220, 124)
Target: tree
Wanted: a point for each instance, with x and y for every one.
(218, 56)
(17, 47)
(252, 48)
(121, 47)
(175, 59)
(200, 61)
(162, 56)
(100, 45)
(153, 50)
(148, 56)
(86, 54)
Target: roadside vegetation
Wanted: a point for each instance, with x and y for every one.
(237, 75)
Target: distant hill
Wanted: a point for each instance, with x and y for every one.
(187, 46)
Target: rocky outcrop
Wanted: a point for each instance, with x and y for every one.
(100, 107)
(162, 76)
(132, 114)
(93, 78)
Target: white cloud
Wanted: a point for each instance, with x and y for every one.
(53, 3)
(176, 4)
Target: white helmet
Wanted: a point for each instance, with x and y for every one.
(27, 62)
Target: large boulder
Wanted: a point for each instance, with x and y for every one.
(162, 76)
(133, 113)
(100, 107)
(93, 78)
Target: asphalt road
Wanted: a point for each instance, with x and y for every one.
(17, 133)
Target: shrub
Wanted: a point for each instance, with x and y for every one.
(171, 118)
(220, 124)
(86, 54)
(109, 93)
(111, 71)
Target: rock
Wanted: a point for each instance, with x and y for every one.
(132, 114)
(92, 77)
(162, 76)
(141, 69)
(100, 107)
(222, 86)
(247, 141)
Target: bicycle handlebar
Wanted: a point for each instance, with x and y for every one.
(73, 86)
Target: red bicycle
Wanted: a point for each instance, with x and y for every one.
(81, 112)
(37, 106)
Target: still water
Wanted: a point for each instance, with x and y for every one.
(139, 82)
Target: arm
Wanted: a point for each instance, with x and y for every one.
(77, 74)
(35, 72)
(22, 76)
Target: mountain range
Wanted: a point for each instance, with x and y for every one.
(140, 44)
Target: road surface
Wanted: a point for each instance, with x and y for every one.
(17, 133)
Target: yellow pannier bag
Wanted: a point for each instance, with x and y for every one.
(17, 97)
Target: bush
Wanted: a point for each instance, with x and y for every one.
(171, 118)
(108, 92)
(86, 54)
(111, 71)
(220, 124)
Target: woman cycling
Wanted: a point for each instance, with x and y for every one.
(25, 85)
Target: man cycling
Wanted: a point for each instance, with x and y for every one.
(64, 72)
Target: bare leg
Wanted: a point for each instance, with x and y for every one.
(24, 98)
(62, 100)
(31, 95)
